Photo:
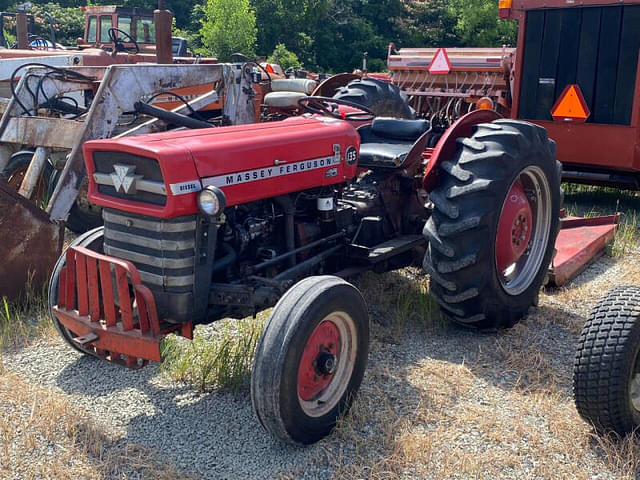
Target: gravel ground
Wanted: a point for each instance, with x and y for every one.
(500, 400)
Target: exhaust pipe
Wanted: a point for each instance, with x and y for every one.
(163, 19)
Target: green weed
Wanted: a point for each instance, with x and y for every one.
(24, 318)
(415, 306)
(221, 359)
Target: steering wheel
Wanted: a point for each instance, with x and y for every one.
(324, 106)
(38, 43)
(118, 44)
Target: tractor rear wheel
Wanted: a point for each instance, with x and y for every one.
(606, 370)
(310, 359)
(84, 216)
(383, 98)
(93, 241)
(495, 220)
(17, 168)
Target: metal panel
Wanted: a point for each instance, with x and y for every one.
(628, 62)
(607, 69)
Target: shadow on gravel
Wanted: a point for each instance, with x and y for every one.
(213, 435)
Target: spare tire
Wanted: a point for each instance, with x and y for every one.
(384, 98)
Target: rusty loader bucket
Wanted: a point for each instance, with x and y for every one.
(30, 243)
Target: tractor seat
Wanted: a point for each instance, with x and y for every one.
(386, 142)
(285, 92)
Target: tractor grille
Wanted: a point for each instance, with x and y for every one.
(163, 251)
(145, 172)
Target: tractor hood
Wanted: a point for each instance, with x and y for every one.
(161, 174)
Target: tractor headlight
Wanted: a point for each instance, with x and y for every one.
(211, 201)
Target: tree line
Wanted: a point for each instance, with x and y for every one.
(321, 35)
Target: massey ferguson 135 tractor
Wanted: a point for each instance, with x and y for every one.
(206, 224)
(201, 225)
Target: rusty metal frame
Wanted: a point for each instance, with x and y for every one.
(120, 86)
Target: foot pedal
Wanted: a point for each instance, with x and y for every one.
(84, 339)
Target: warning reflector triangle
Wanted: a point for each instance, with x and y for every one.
(571, 106)
(440, 65)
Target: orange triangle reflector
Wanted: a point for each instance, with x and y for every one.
(571, 106)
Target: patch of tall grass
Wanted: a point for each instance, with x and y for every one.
(221, 358)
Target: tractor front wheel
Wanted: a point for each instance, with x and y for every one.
(310, 359)
(606, 370)
(495, 221)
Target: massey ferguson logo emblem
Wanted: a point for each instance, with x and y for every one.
(124, 178)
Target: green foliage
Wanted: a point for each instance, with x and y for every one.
(478, 24)
(284, 57)
(68, 22)
(324, 35)
(229, 27)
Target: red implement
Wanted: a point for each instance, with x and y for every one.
(580, 241)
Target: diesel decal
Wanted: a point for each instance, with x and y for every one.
(271, 172)
(185, 187)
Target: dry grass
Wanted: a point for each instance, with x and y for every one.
(220, 358)
(507, 413)
(24, 319)
(402, 300)
(42, 435)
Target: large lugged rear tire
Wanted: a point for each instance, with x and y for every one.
(93, 241)
(606, 370)
(310, 359)
(492, 232)
(383, 98)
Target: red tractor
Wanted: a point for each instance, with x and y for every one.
(207, 224)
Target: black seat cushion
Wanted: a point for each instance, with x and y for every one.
(399, 129)
(385, 155)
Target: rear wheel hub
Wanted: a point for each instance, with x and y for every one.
(514, 228)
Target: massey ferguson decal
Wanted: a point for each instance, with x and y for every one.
(271, 172)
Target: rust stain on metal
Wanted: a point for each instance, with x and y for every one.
(31, 243)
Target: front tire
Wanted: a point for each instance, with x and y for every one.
(310, 359)
(495, 220)
(606, 370)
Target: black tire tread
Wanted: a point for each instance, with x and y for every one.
(273, 346)
(605, 353)
(383, 98)
(472, 186)
(84, 240)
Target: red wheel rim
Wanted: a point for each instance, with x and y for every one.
(514, 228)
(319, 360)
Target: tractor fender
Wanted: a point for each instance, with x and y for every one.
(446, 146)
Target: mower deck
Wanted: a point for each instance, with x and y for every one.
(580, 241)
